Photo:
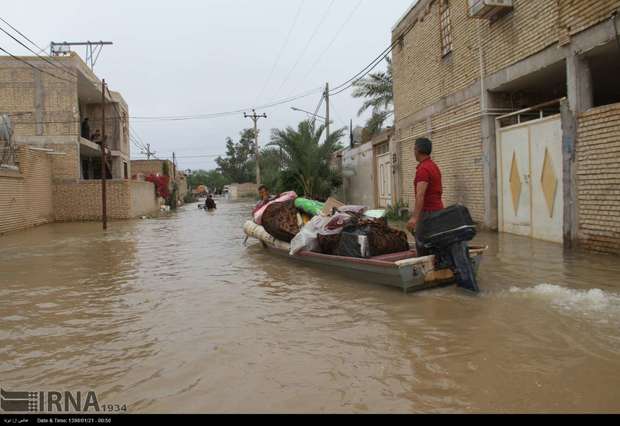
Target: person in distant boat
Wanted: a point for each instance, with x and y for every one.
(265, 198)
(210, 203)
(427, 187)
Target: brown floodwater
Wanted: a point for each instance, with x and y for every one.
(175, 315)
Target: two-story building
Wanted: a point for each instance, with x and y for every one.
(48, 100)
(521, 99)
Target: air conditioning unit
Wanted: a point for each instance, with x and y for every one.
(487, 9)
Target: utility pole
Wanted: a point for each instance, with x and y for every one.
(327, 111)
(255, 117)
(148, 152)
(174, 166)
(352, 142)
(93, 50)
(104, 198)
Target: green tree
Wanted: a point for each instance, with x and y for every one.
(378, 91)
(212, 179)
(271, 167)
(306, 160)
(239, 164)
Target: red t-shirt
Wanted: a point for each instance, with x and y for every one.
(429, 172)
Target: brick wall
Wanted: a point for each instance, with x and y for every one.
(26, 195)
(426, 83)
(423, 77)
(149, 167)
(528, 29)
(66, 165)
(457, 150)
(81, 201)
(598, 179)
(578, 15)
(45, 106)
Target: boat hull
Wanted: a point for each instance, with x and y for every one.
(403, 271)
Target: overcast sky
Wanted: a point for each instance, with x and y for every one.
(188, 57)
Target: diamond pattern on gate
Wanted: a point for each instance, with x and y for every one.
(515, 183)
(549, 182)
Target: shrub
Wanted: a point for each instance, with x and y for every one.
(162, 184)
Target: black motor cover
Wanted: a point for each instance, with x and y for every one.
(446, 227)
(446, 233)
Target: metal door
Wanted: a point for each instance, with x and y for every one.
(530, 183)
(384, 182)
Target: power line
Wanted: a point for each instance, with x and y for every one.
(34, 44)
(335, 38)
(33, 66)
(338, 115)
(279, 56)
(39, 56)
(368, 68)
(136, 137)
(21, 34)
(228, 113)
(303, 51)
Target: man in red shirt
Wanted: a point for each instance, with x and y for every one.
(428, 187)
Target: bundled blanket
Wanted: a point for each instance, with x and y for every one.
(287, 196)
(280, 220)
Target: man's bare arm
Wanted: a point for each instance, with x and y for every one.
(419, 206)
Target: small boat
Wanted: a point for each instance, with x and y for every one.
(405, 270)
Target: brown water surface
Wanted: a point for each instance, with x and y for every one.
(175, 315)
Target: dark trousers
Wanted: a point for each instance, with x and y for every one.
(419, 247)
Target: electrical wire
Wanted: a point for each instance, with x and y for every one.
(36, 54)
(32, 42)
(228, 113)
(279, 56)
(338, 117)
(334, 91)
(33, 66)
(368, 68)
(304, 50)
(334, 39)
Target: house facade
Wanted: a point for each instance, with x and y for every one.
(47, 101)
(520, 99)
(368, 176)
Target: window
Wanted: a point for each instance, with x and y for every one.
(382, 149)
(446, 27)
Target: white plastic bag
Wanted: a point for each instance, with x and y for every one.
(308, 237)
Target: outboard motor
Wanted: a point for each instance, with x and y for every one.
(445, 234)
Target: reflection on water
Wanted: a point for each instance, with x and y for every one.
(176, 315)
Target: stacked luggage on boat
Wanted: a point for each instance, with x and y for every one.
(300, 224)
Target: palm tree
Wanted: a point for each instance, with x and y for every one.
(307, 160)
(378, 90)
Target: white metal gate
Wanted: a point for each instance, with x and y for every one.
(530, 183)
(384, 182)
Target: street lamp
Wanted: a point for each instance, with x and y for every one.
(310, 113)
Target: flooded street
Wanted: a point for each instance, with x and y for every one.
(175, 315)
